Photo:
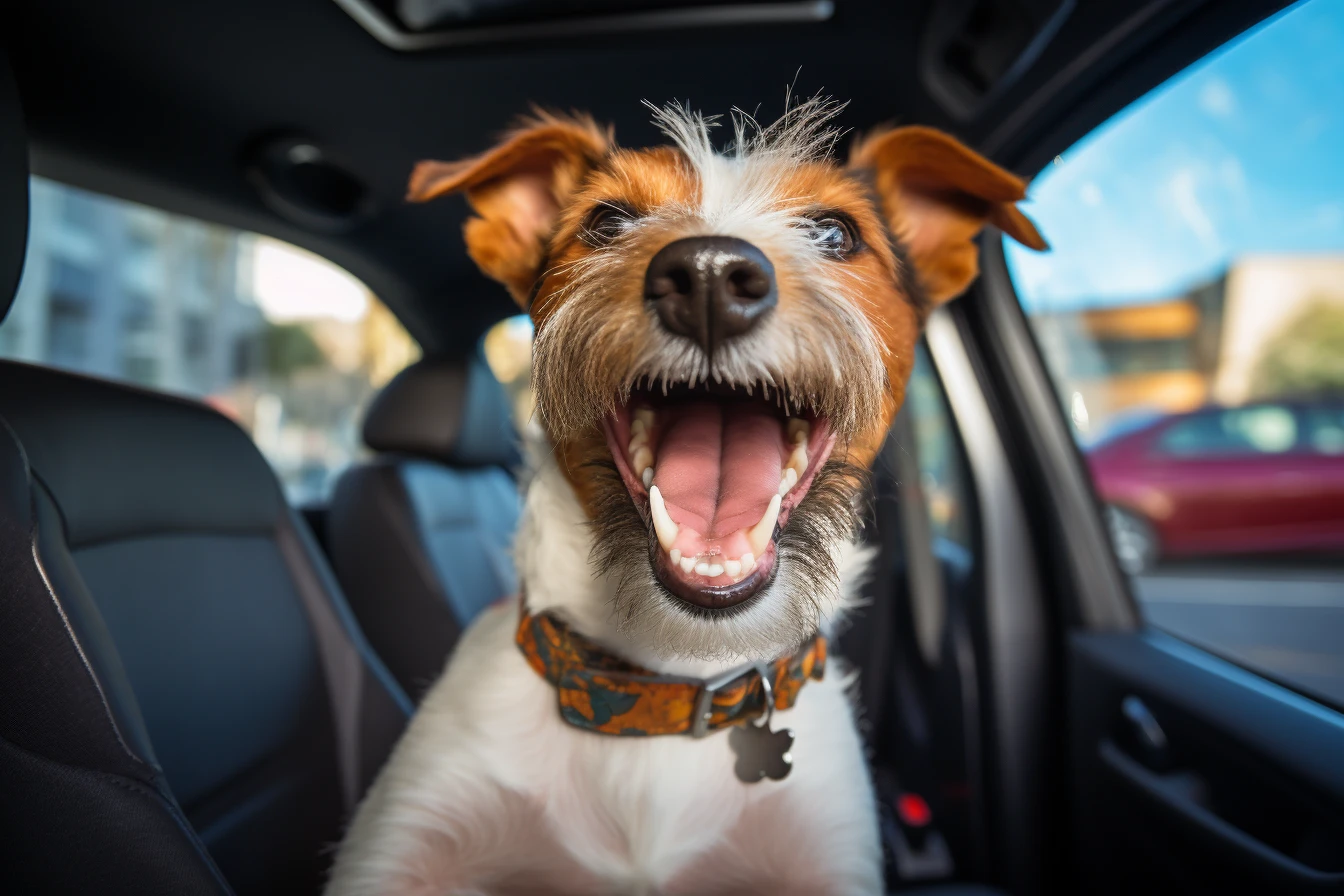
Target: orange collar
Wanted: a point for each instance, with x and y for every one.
(601, 692)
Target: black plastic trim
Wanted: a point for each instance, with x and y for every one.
(389, 35)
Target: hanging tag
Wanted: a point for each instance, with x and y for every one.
(762, 753)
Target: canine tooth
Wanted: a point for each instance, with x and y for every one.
(687, 564)
(715, 570)
(647, 476)
(759, 536)
(662, 523)
(733, 567)
(798, 459)
(643, 458)
(798, 430)
(788, 481)
(748, 563)
(702, 568)
(675, 555)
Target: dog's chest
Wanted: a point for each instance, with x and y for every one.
(641, 809)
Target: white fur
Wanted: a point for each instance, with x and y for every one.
(503, 796)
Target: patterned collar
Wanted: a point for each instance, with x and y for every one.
(601, 692)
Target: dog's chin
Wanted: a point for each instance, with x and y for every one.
(725, 527)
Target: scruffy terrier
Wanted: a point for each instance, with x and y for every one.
(722, 340)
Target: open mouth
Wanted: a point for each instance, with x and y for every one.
(715, 472)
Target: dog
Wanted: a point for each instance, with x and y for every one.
(722, 341)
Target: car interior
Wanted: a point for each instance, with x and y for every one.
(202, 675)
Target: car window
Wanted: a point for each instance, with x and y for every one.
(508, 352)
(1197, 268)
(1244, 431)
(942, 471)
(285, 343)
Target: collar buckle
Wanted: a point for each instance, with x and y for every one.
(704, 701)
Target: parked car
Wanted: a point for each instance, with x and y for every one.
(1262, 478)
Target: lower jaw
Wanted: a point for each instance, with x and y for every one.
(713, 599)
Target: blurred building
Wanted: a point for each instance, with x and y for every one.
(127, 292)
(1177, 353)
(1149, 355)
(1264, 294)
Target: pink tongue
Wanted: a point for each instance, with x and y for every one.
(718, 465)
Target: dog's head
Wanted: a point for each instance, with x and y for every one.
(722, 340)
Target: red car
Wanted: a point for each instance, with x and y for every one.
(1257, 479)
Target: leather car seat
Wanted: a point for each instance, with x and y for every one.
(186, 703)
(421, 536)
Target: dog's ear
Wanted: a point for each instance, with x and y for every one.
(937, 195)
(517, 189)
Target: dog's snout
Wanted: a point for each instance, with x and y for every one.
(710, 288)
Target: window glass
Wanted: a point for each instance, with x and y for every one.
(1191, 313)
(288, 345)
(508, 351)
(942, 474)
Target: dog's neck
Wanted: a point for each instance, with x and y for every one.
(553, 551)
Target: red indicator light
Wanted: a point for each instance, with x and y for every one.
(913, 810)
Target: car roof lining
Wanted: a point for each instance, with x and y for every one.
(155, 101)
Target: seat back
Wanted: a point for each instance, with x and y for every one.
(267, 711)
(86, 807)
(421, 537)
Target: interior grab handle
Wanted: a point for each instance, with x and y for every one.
(1179, 796)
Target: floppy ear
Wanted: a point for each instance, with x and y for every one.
(517, 189)
(937, 195)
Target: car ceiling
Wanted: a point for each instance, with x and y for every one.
(156, 101)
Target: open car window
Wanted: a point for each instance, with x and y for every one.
(1191, 314)
(285, 343)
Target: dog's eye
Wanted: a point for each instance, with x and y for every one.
(833, 235)
(606, 222)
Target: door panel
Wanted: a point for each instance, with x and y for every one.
(1194, 772)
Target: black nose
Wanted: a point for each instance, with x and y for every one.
(710, 288)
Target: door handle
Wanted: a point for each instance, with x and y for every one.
(1182, 796)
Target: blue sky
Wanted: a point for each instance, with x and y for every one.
(1241, 153)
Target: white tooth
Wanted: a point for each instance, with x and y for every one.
(643, 458)
(639, 428)
(789, 480)
(644, 415)
(759, 536)
(687, 564)
(715, 570)
(675, 555)
(639, 441)
(798, 460)
(702, 568)
(798, 430)
(748, 563)
(662, 523)
(733, 567)
(647, 476)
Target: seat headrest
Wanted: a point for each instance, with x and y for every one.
(454, 412)
(13, 187)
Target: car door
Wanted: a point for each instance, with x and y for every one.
(1201, 738)
(1229, 480)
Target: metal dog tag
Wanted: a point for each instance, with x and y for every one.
(761, 753)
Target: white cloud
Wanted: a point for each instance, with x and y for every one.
(1182, 186)
(1217, 99)
(1090, 194)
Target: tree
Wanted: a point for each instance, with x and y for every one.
(1305, 358)
(290, 347)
